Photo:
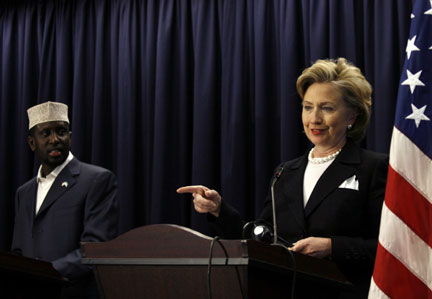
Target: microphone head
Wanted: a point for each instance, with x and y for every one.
(278, 172)
(258, 231)
(262, 233)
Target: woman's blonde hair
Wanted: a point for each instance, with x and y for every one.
(349, 80)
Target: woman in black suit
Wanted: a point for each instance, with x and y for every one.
(328, 200)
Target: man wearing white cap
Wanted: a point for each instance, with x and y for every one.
(68, 202)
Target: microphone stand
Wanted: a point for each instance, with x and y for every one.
(275, 236)
(275, 179)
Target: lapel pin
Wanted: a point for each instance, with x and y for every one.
(64, 184)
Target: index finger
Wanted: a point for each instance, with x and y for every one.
(192, 189)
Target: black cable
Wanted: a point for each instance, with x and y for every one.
(246, 234)
(294, 266)
(209, 267)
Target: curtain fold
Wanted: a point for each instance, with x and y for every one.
(173, 92)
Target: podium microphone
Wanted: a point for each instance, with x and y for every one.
(276, 177)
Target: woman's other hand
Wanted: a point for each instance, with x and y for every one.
(313, 246)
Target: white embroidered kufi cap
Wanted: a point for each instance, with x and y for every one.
(48, 111)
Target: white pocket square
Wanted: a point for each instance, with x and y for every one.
(350, 183)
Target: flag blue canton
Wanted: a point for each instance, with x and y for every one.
(414, 105)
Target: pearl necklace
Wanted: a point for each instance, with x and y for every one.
(323, 159)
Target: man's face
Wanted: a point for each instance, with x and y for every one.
(52, 142)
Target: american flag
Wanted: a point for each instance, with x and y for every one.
(403, 265)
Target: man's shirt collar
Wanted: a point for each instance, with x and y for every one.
(56, 170)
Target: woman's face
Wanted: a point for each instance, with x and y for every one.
(325, 117)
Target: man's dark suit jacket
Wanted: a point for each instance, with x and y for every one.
(349, 217)
(81, 206)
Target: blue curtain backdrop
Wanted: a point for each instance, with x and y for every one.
(168, 93)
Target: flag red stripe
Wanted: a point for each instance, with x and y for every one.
(409, 205)
(396, 281)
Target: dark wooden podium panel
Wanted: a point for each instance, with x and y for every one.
(23, 278)
(169, 261)
(168, 282)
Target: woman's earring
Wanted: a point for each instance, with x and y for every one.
(349, 127)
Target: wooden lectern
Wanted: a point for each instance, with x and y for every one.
(170, 261)
(23, 277)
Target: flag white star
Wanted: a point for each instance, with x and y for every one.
(429, 12)
(412, 16)
(411, 46)
(418, 115)
(413, 80)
